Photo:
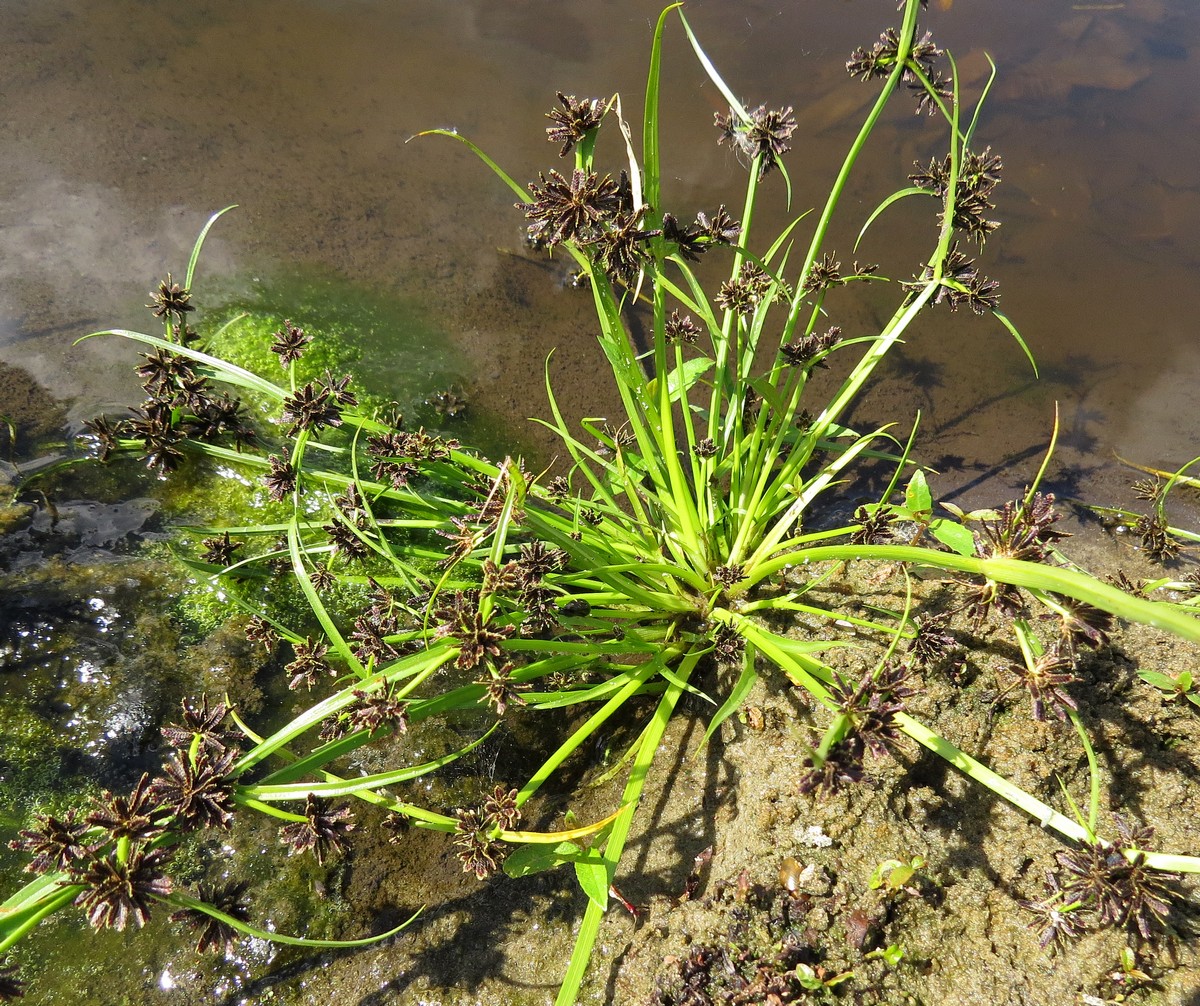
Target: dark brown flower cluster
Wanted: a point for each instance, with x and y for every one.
(371, 711)
(539, 559)
(875, 525)
(494, 494)
(323, 830)
(931, 644)
(721, 229)
(681, 328)
(309, 664)
(171, 302)
(180, 403)
(281, 479)
(727, 576)
(136, 817)
(1149, 489)
(979, 174)
(571, 209)
(596, 213)
(573, 121)
(11, 987)
(56, 844)
(477, 636)
(1157, 541)
(870, 708)
(216, 934)
(289, 343)
(881, 58)
(397, 454)
(119, 888)
(349, 533)
(841, 766)
(1046, 680)
(115, 853)
(259, 630)
(822, 274)
(696, 238)
(201, 721)
(1081, 624)
(196, 785)
(374, 626)
(538, 601)
(499, 689)
(180, 406)
(961, 283)
(689, 238)
(728, 644)
(119, 891)
(827, 272)
(811, 350)
(478, 850)
(317, 404)
(1103, 884)
(197, 788)
(763, 134)
(1057, 919)
(872, 705)
(620, 247)
(220, 550)
(1023, 529)
(745, 292)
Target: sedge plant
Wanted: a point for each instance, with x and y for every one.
(440, 582)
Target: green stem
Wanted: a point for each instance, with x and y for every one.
(590, 928)
(1017, 572)
(907, 31)
(1044, 814)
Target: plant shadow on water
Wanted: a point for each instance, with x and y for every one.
(511, 670)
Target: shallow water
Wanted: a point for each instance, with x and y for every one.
(125, 124)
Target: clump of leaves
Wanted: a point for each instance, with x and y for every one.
(443, 583)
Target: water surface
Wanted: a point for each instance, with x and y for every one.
(126, 123)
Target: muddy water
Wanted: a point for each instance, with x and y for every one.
(124, 124)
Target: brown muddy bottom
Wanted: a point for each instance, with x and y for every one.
(789, 879)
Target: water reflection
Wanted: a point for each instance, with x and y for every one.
(127, 122)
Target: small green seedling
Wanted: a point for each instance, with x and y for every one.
(817, 979)
(893, 954)
(1128, 976)
(917, 509)
(894, 875)
(1181, 685)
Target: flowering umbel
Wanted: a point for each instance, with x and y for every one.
(119, 892)
(216, 934)
(763, 133)
(569, 209)
(56, 844)
(573, 121)
(323, 830)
